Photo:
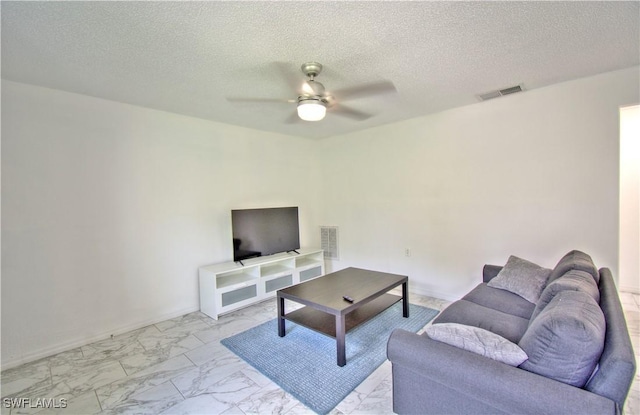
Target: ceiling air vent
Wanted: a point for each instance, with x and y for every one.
(500, 92)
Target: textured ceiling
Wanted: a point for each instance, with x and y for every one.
(186, 57)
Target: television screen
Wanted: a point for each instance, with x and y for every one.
(259, 232)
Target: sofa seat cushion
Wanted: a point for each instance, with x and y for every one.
(521, 277)
(471, 314)
(573, 280)
(478, 341)
(565, 341)
(500, 300)
(574, 260)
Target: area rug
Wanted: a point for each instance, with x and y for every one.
(303, 363)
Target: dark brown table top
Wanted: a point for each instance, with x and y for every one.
(325, 293)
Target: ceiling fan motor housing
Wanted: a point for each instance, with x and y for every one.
(313, 89)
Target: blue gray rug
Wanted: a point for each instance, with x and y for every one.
(303, 363)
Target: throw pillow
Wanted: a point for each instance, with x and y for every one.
(521, 277)
(566, 340)
(479, 341)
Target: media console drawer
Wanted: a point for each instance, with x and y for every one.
(238, 295)
(279, 282)
(310, 273)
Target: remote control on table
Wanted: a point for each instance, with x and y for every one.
(347, 298)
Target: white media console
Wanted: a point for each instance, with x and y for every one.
(228, 286)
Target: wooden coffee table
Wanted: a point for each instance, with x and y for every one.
(328, 313)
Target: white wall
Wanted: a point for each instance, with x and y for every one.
(630, 199)
(533, 174)
(109, 209)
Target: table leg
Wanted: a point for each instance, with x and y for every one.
(405, 299)
(340, 340)
(281, 328)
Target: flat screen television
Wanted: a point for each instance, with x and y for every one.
(260, 232)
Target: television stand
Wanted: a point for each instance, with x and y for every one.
(293, 250)
(228, 286)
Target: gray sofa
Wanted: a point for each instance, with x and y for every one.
(579, 357)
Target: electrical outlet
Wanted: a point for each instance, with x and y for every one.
(407, 252)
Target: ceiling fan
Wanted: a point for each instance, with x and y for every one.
(313, 100)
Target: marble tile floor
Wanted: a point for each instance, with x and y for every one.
(179, 367)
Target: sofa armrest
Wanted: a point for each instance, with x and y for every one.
(490, 271)
(477, 380)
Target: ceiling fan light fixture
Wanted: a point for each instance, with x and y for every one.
(311, 109)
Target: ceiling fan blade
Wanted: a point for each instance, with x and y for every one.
(367, 90)
(292, 79)
(276, 100)
(347, 112)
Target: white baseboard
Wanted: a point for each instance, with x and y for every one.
(436, 294)
(78, 342)
(427, 293)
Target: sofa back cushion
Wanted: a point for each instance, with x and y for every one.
(565, 341)
(574, 280)
(574, 260)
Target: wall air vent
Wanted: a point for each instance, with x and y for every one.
(500, 92)
(329, 241)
